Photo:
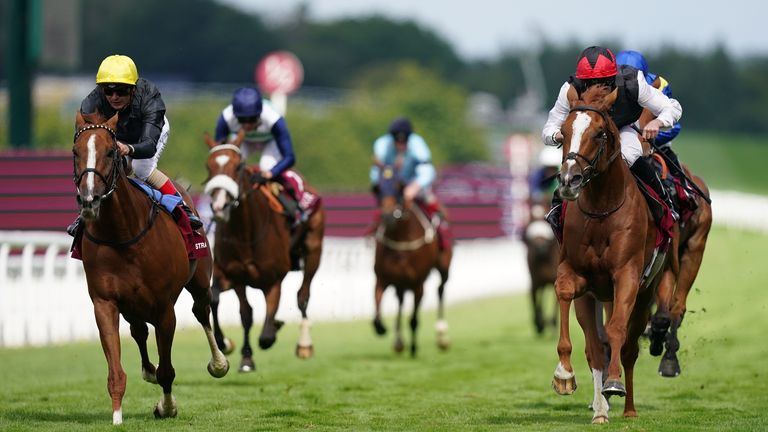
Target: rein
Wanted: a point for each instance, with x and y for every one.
(398, 245)
(235, 203)
(590, 172)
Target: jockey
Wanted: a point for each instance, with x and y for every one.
(403, 148)
(637, 60)
(142, 128)
(595, 66)
(266, 132)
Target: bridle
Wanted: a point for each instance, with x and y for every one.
(590, 171)
(77, 178)
(404, 245)
(113, 173)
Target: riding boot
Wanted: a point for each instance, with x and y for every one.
(553, 217)
(74, 226)
(643, 169)
(292, 209)
(194, 221)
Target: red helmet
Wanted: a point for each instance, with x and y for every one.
(596, 62)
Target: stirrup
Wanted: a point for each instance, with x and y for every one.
(553, 216)
(72, 228)
(194, 221)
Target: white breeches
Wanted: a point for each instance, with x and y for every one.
(142, 168)
(631, 148)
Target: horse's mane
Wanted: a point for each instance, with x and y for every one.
(596, 96)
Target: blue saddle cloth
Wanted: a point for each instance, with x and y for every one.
(169, 202)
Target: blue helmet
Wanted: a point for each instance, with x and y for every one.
(401, 126)
(634, 59)
(246, 102)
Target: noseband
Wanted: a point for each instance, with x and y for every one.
(115, 162)
(591, 171)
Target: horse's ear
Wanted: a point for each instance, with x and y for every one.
(611, 98)
(208, 140)
(112, 123)
(239, 138)
(573, 96)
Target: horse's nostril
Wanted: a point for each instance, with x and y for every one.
(576, 180)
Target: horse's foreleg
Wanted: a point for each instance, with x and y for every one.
(631, 348)
(538, 319)
(200, 290)
(378, 325)
(626, 286)
(418, 293)
(140, 333)
(269, 331)
(224, 343)
(246, 320)
(441, 326)
(399, 346)
(586, 314)
(107, 320)
(164, 331)
(564, 381)
(313, 247)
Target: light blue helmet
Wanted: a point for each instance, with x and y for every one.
(634, 59)
(246, 102)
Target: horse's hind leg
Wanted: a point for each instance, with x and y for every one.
(661, 319)
(629, 352)
(538, 318)
(224, 343)
(107, 320)
(378, 293)
(441, 326)
(164, 331)
(199, 288)
(399, 345)
(418, 293)
(271, 325)
(313, 246)
(586, 314)
(246, 319)
(140, 333)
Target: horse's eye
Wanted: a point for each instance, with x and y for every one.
(602, 135)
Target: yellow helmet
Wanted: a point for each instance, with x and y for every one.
(117, 69)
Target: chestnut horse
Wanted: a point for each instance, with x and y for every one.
(135, 263)
(252, 248)
(608, 251)
(406, 252)
(543, 256)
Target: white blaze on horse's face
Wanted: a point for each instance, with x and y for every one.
(90, 178)
(580, 125)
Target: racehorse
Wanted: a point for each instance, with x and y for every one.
(673, 291)
(406, 252)
(608, 250)
(253, 247)
(543, 255)
(135, 263)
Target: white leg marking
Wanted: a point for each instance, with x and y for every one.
(305, 340)
(599, 402)
(561, 373)
(117, 417)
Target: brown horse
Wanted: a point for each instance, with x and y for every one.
(673, 289)
(543, 256)
(135, 263)
(608, 251)
(253, 246)
(406, 252)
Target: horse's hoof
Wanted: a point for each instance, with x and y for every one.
(379, 327)
(443, 343)
(614, 387)
(266, 342)
(228, 346)
(399, 346)
(218, 372)
(600, 420)
(279, 324)
(149, 375)
(669, 367)
(165, 412)
(305, 352)
(564, 386)
(657, 343)
(247, 365)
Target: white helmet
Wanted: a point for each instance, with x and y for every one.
(550, 157)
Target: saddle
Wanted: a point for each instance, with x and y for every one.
(437, 217)
(683, 195)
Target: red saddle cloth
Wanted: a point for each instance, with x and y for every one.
(443, 228)
(196, 243)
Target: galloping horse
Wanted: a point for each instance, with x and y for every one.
(406, 252)
(135, 262)
(253, 247)
(673, 289)
(608, 251)
(543, 256)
